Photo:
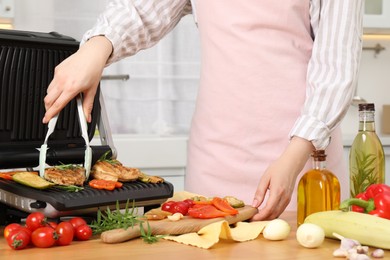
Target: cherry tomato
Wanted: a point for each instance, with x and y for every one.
(77, 221)
(52, 224)
(189, 202)
(83, 232)
(65, 232)
(168, 206)
(181, 207)
(176, 206)
(11, 227)
(44, 237)
(35, 220)
(19, 239)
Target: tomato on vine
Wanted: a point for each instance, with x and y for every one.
(83, 232)
(35, 220)
(65, 233)
(11, 227)
(52, 224)
(44, 237)
(18, 239)
(77, 221)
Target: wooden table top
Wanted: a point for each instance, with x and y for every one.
(259, 248)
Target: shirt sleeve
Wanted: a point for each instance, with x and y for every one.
(332, 70)
(131, 26)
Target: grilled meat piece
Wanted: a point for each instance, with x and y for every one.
(113, 170)
(69, 175)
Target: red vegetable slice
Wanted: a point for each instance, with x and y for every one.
(224, 206)
(103, 184)
(206, 212)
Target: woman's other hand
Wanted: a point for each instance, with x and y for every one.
(279, 179)
(80, 72)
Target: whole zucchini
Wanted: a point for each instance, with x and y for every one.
(367, 229)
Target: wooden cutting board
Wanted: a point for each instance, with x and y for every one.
(168, 227)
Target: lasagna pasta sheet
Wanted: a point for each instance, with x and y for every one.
(213, 233)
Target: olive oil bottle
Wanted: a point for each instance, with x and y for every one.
(318, 189)
(366, 157)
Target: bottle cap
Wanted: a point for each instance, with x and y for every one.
(319, 155)
(367, 107)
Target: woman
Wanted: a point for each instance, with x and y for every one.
(277, 77)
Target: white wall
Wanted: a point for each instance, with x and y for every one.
(374, 84)
(71, 17)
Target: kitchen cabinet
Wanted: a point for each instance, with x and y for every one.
(376, 16)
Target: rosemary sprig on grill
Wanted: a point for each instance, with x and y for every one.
(70, 188)
(105, 158)
(67, 167)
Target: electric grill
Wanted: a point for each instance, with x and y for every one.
(27, 62)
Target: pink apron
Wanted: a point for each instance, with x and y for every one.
(252, 89)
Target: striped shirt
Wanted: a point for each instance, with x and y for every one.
(332, 70)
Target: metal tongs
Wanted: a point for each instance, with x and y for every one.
(84, 132)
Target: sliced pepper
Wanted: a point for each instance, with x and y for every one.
(206, 212)
(224, 206)
(104, 184)
(118, 184)
(5, 176)
(8, 175)
(203, 202)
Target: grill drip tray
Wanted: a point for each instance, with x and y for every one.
(55, 202)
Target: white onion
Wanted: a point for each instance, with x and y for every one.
(277, 229)
(310, 235)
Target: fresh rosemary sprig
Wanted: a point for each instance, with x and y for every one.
(115, 219)
(67, 167)
(70, 188)
(125, 218)
(363, 174)
(147, 235)
(104, 158)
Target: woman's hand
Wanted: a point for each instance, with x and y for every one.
(279, 179)
(80, 72)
